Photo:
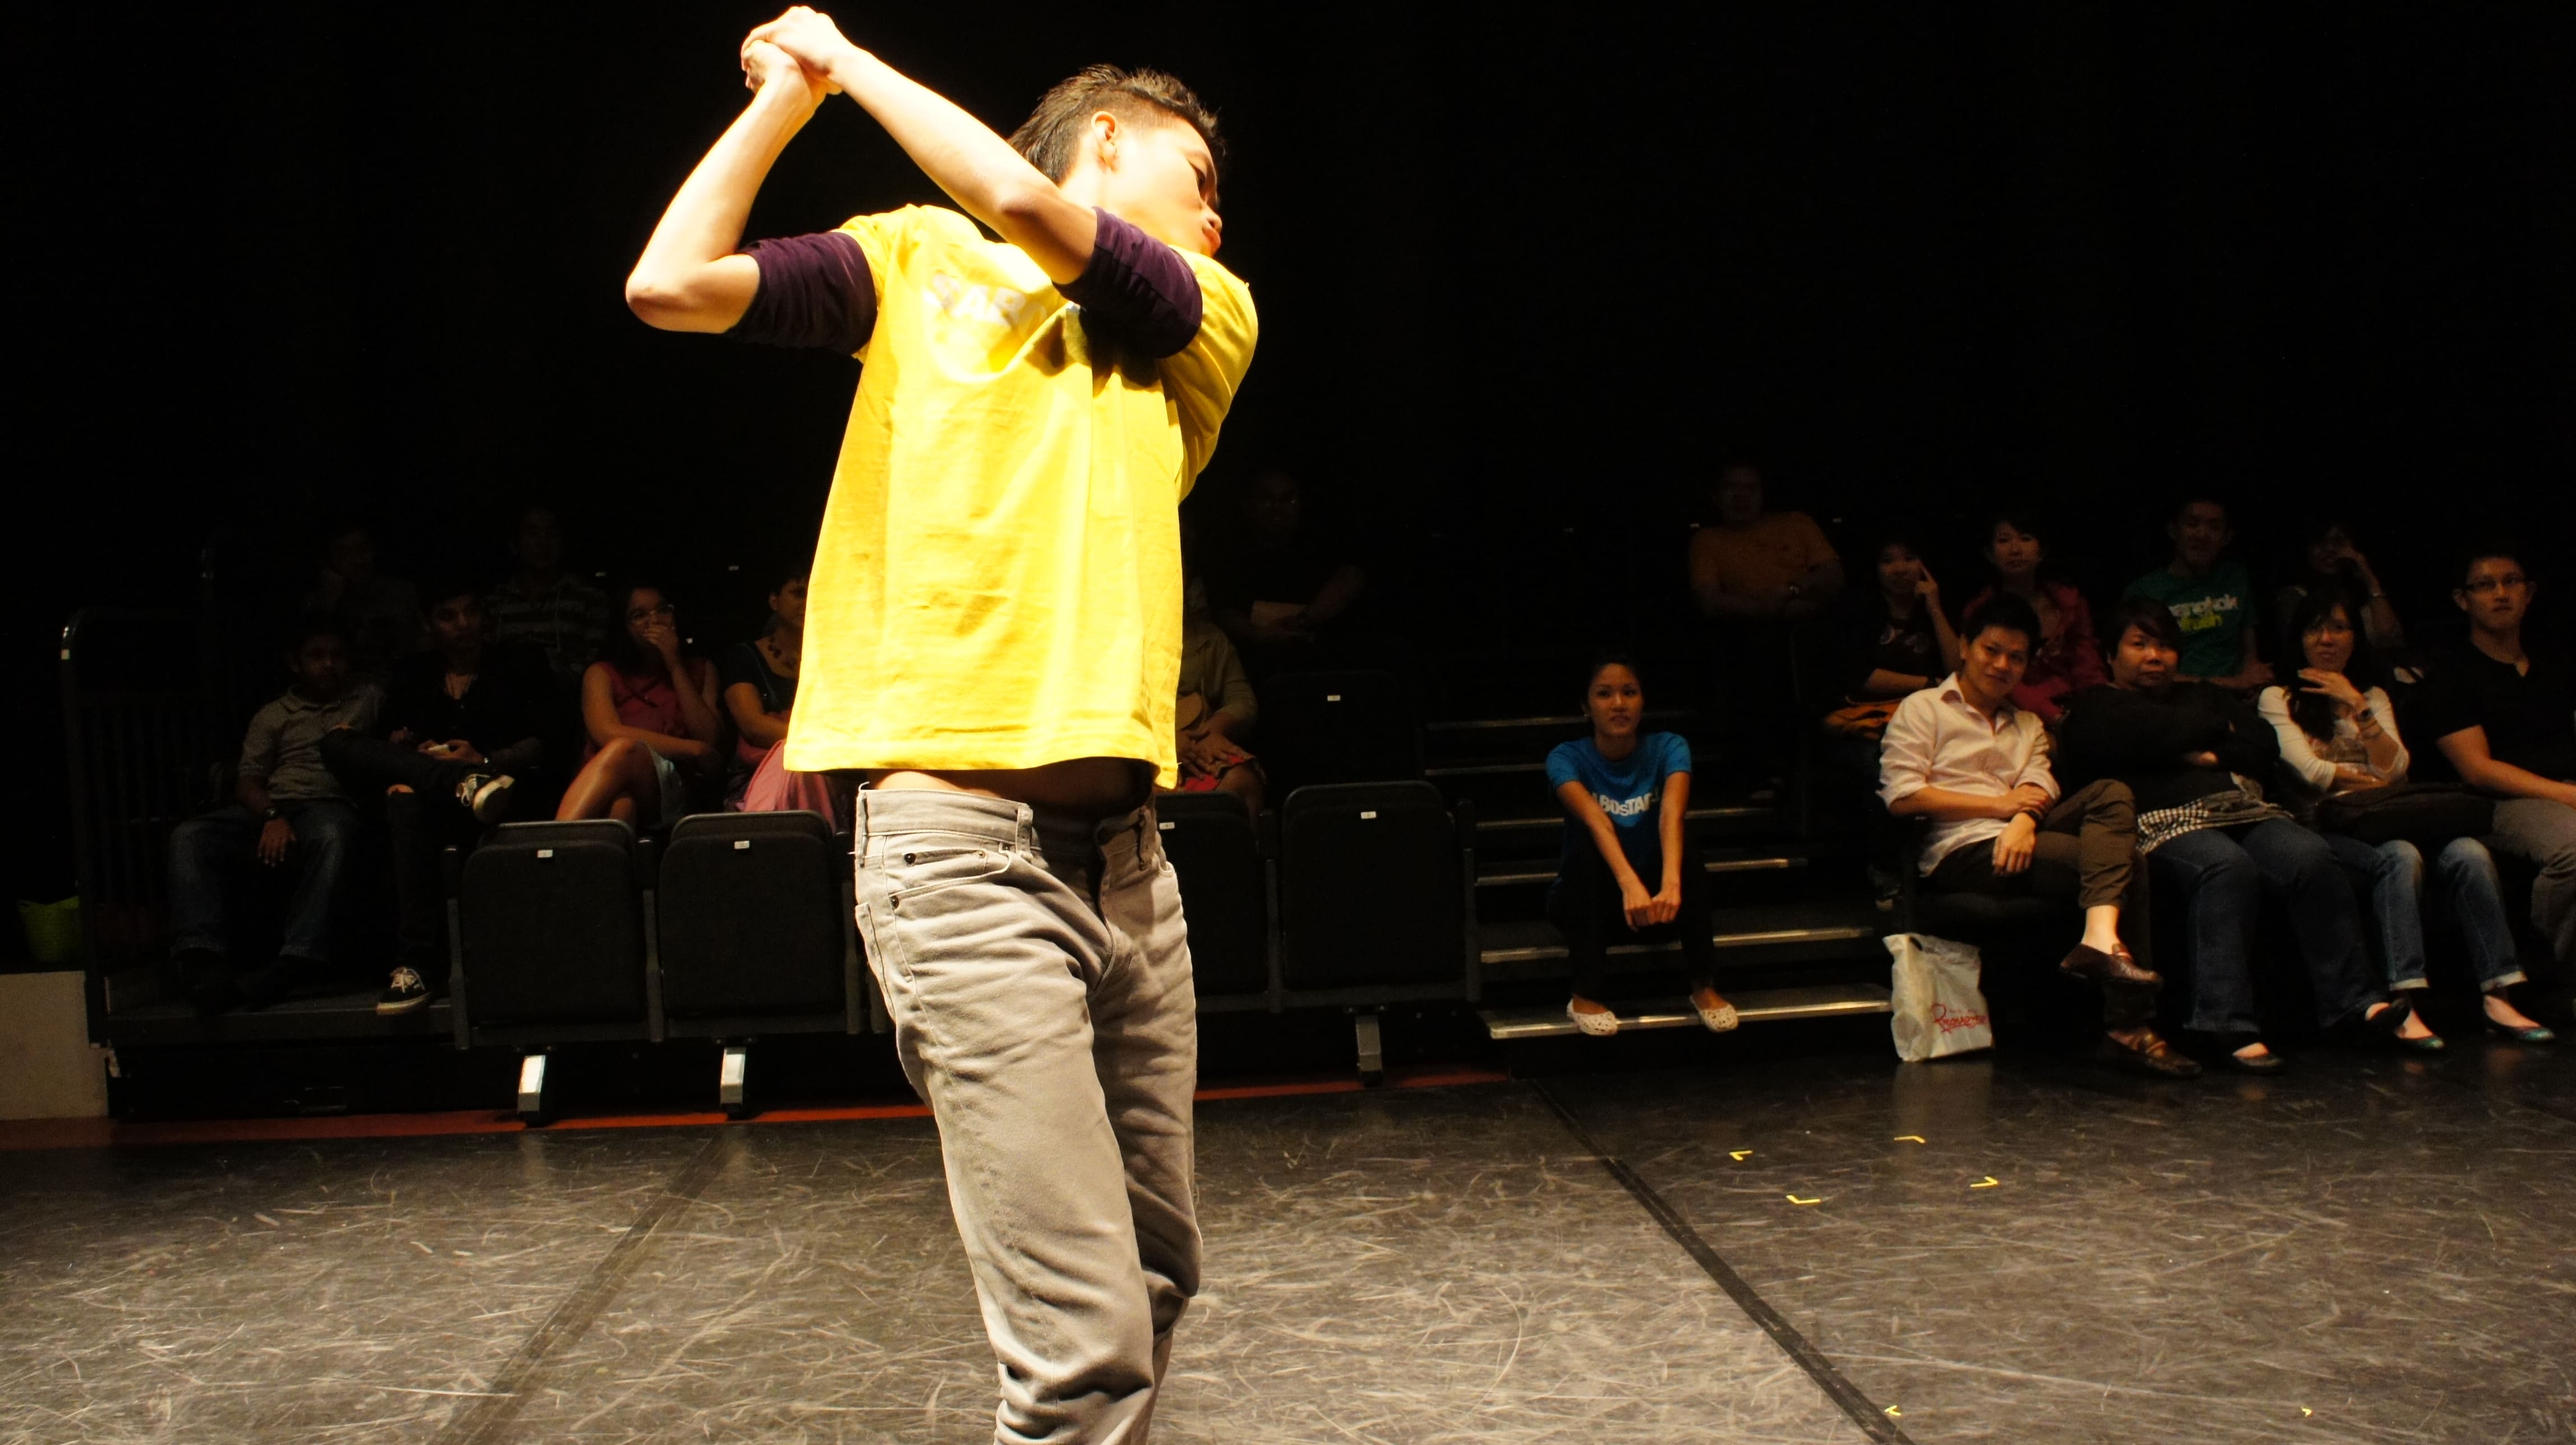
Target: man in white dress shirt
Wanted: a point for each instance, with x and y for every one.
(1962, 756)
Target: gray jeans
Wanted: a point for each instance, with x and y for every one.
(2545, 833)
(1038, 972)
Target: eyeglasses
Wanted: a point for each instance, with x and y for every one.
(2483, 585)
(647, 614)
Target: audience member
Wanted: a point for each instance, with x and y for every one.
(2504, 717)
(1626, 799)
(1894, 639)
(379, 615)
(464, 729)
(759, 682)
(2338, 735)
(1965, 757)
(1281, 585)
(2328, 558)
(2067, 657)
(1759, 565)
(649, 708)
(289, 813)
(2193, 755)
(1216, 709)
(543, 605)
(2211, 597)
(1755, 573)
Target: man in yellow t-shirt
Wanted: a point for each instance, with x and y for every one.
(992, 637)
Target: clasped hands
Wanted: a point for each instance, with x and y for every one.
(1645, 910)
(2018, 843)
(801, 46)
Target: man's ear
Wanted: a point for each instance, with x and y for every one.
(2460, 598)
(1105, 131)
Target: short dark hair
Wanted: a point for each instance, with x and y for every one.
(2147, 615)
(2006, 611)
(1050, 137)
(311, 625)
(2486, 549)
(2184, 498)
(442, 587)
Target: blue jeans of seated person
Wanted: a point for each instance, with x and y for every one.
(2467, 874)
(2222, 874)
(203, 849)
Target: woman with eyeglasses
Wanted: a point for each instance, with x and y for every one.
(650, 711)
(2339, 736)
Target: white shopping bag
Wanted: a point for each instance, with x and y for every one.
(1937, 1006)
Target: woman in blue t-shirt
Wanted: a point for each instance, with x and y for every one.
(1625, 867)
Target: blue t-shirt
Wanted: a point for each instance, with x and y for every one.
(1630, 790)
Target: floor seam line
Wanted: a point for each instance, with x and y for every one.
(1863, 1412)
(484, 1422)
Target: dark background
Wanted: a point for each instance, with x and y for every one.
(1516, 277)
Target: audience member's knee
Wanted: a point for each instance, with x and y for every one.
(2401, 859)
(326, 828)
(2463, 857)
(2113, 804)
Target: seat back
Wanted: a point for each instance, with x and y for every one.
(552, 924)
(1337, 727)
(749, 917)
(1214, 845)
(1371, 888)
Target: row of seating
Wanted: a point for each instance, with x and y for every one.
(742, 924)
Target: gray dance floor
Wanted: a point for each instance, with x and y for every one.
(2371, 1249)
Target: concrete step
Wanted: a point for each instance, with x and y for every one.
(1754, 1006)
(1736, 814)
(1820, 928)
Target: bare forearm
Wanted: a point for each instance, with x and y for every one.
(252, 793)
(698, 712)
(1337, 594)
(2497, 776)
(1883, 683)
(977, 168)
(1605, 841)
(689, 278)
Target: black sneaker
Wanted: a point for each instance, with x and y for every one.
(486, 796)
(207, 979)
(407, 991)
(264, 986)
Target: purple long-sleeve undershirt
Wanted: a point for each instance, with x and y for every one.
(817, 291)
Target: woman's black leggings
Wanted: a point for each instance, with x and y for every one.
(1584, 906)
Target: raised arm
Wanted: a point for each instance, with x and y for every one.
(689, 277)
(962, 156)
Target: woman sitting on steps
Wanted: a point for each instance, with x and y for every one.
(1625, 797)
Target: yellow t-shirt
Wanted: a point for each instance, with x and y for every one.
(998, 579)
